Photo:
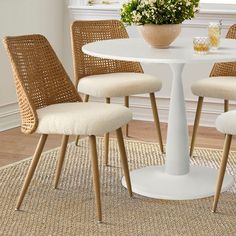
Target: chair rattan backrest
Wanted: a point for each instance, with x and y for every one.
(226, 68)
(83, 32)
(39, 76)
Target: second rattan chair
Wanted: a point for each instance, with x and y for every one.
(50, 104)
(221, 84)
(110, 78)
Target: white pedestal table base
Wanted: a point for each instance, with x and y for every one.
(154, 182)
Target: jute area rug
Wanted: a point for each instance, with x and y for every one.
(70, 210)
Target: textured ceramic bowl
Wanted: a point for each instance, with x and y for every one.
(160, 36)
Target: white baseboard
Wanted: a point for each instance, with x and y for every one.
(9, 116)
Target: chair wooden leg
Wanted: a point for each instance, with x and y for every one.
(106, 148)
(196, 123)
(127, 126)
(86, 99)
(61, 159)
(226, 105)
(77, 141)
(156, 120)
(228, 139)
(96, 181)
(31, 169)
(124, 161)
(106, 141)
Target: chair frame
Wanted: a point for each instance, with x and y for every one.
(85, 65)
(33, 62)
(219, 69)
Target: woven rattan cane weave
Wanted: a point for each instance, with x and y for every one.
(39, 76)
(84, 32)
(226, 68)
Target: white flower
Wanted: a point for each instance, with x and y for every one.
(148, 2)
(145, 13)
(195, 9)
(136, 17)
(188, 3)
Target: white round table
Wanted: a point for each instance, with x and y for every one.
(176, 180)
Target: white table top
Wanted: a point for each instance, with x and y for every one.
(181, 51)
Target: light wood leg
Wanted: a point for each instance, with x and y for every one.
(127, 126)
(124, 161)
(226, 105)
(196, 124)
(96, 182)
(77, 141)
(156, 120)
(61, 159)
(228, 139)
(31, 169)
(86, 99)
(106, 140)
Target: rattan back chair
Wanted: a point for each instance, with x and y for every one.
(47, 97)
(39, 77)
(84, 32)
(218, 70)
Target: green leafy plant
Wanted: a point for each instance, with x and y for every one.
(159, 12)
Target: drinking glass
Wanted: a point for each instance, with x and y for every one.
(201, 45)
(214, 35)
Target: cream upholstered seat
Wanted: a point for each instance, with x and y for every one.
(223, 87)
(106, 78)
(49, 103)
(221, 84)
(226, 124)
(82, 118)
(118, 84)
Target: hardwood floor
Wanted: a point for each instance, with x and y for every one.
(15, 146)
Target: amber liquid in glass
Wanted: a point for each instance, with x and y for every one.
(201, 47)
(214, 36)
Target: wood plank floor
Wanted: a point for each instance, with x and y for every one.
(15, 146)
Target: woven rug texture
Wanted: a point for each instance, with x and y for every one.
(70, 210)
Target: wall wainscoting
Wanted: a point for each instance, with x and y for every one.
(9, 116)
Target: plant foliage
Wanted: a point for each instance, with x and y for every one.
(158, 12)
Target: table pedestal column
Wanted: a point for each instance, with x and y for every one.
(176, 180)
(177, 157)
